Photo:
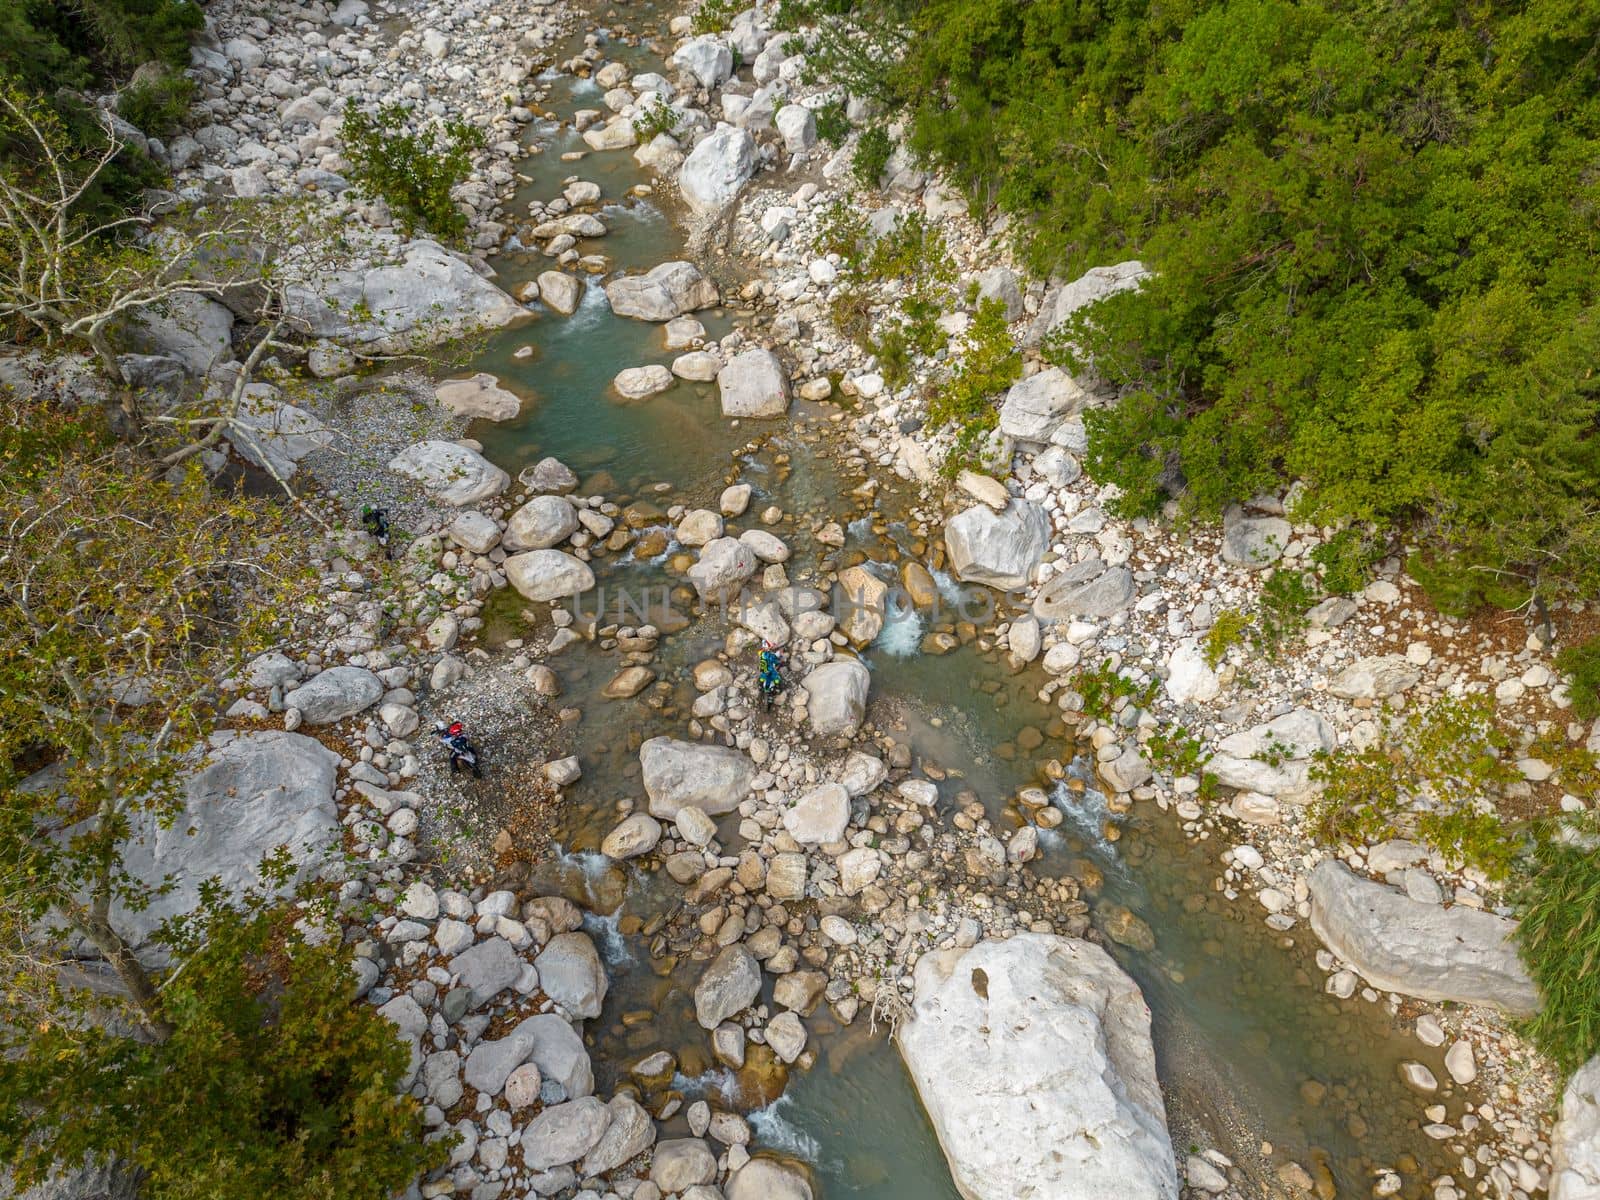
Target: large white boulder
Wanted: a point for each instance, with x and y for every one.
(450, 473)
(548, 574)
(661, 293)
(335, 694)
(1417, 948)
(837, 697)
(254, 793)
(1089, 288)
(191, 328)
(273, 435)
(820, 816)
(1088, 588)
(418, 295)
(560, 292)
(1036, 406)
(716, 169)
(571, 974)
(1032, 1057)
(797, 125)
(1575, 1144)
(729, 986)
(1274, 759)
(1000, 549)
(753, 384)
(1189, 677)
(724, 565)
(677, 774)
(541, 523)
(708, 59)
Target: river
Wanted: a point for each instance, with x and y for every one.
(1249, 1048)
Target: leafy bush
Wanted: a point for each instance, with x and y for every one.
(1286, 597)
(413, 172)
(832, 125)
(1103, 686)
(1434, 774)
(1581, 665)
(273, 1079)
(843, 231)
(1227, 631)
(656, 119)
(713, 16)
(988, 363)
(1558, 936)
(156, 105)
(872, 156)
(1346, 560)
(1176, 751)
(1370, 240)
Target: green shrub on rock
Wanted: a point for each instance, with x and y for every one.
(1558, 935)
(872, 156)
(1581, 665)
(1434, 774)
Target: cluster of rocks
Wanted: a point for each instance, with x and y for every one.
(491, 990)
(263, 127)
(1092, 588)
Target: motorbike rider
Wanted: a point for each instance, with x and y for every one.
(462, 752)
(376, 522)
(769, 670)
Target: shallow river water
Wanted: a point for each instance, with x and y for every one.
(1248, 1046)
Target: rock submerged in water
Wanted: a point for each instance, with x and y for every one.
(753, 384)
(662, 293)
(1416, 948)
(677, 774)
(479, 396)
(1032, 1057)
(999, 549)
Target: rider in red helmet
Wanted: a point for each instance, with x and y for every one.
(462, 752)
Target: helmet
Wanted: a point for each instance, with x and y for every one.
(439, 727)
(457, 727)
(768, 644)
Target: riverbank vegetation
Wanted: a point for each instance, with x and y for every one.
(1371, 230)
(1371, 234)
(130, 50)
(225, 1051)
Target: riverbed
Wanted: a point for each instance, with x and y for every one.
(1253, 1056)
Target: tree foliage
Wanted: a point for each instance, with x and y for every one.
(1558, 935)
(1372, 228)
(121, 598)
(272, 1080)
(414, 170)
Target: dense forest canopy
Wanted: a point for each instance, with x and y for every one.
(1374, 232)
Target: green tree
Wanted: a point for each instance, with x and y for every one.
(232, 1060)
(414, 170)
(1371, 231)
(266, 1077)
